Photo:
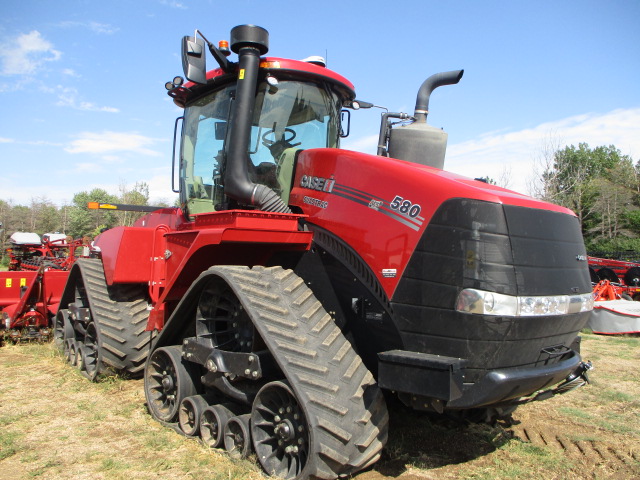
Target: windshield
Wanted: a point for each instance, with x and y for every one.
(288, 117)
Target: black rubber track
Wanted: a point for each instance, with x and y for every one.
(120, 313)
(344, 406)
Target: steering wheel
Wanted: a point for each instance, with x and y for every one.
(267, 142)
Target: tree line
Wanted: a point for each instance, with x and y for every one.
(43, 216)
(602, 186)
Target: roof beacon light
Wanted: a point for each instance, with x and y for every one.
(223, 46)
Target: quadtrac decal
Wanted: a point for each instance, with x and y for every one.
(400, 209)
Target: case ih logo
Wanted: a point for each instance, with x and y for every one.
(318, 183)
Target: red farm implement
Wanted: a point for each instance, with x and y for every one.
(615, 279)
(30, 291)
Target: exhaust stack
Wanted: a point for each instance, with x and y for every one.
(419, 142)
(429, 85)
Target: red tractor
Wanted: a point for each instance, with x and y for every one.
(298, 281)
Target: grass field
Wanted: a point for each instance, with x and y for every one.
(56, 425)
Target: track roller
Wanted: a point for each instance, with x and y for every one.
(71, 351)
(237, 436)
(213, 421)
(168, 380)
(81, 359)
(190, 411)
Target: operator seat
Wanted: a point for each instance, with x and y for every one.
(285, 171)
(199, 200)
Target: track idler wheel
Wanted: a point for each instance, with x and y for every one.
(92, 365)
(191, 409)
(213, 421)
(280, 431)
(62, 328)
(167, 382)
(237, 436)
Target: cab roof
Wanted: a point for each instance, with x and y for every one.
(280, 67)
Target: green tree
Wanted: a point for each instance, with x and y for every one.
(570, 181)
(138, 195)
(44, 216)
(84, 221)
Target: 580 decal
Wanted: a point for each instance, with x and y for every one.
(405, 207)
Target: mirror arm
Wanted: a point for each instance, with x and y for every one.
(225, 65)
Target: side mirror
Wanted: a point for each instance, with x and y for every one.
(193, 59)
(345, 121)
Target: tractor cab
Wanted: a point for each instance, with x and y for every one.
(242, 135)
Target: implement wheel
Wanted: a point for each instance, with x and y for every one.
(280, 431)
(167, 382)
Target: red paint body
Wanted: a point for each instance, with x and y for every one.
(379, 236)
(167, 252)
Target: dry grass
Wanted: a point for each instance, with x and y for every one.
(56, 425)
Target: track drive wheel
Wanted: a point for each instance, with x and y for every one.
(167, 382)
(280, 431)
(237, 436)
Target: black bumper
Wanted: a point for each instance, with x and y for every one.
(425, 376)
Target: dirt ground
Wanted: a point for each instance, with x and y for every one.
(56, 425)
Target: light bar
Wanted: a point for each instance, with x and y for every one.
(490, 303)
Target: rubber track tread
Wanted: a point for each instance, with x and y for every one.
(343, 403)
(120, 314)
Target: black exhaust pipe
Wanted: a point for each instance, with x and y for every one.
(428, 86)
(249, 42)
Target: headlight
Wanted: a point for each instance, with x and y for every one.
(490, 303)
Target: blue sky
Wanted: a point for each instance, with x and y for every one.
(83, 104)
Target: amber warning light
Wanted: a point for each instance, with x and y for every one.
(223, 46)
(121, 206)
(96, 206)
